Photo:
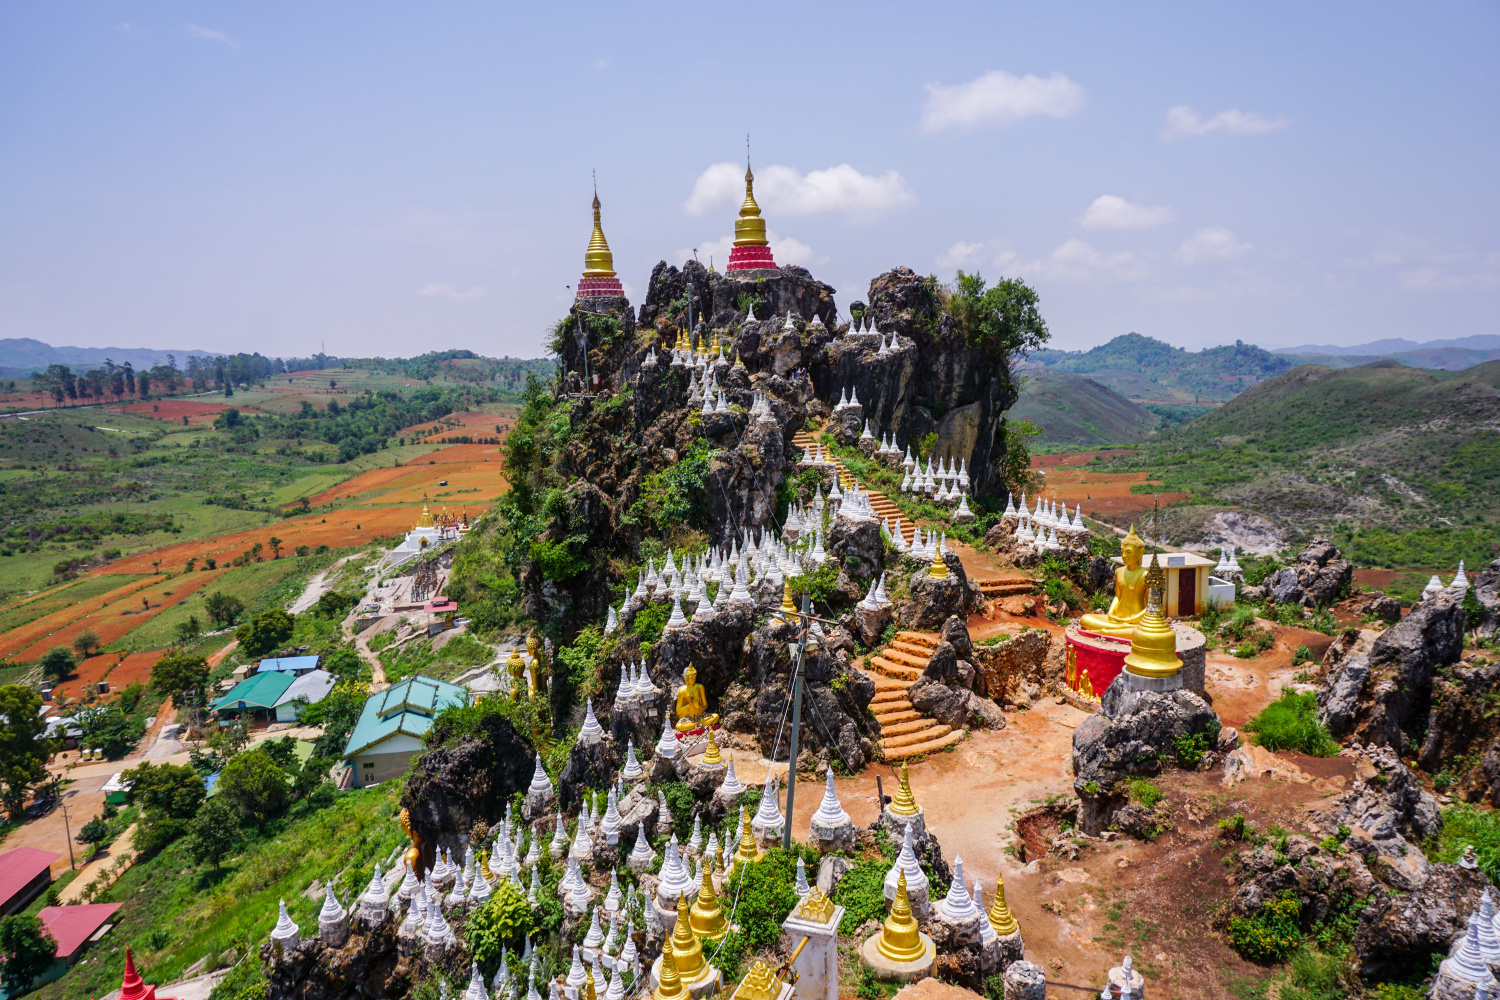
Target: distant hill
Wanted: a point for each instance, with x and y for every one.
(23, 355)
(1397, 345)
(1145, 369)
(1447, 358)
(1074, 409)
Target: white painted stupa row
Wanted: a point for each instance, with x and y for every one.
(1458, 586)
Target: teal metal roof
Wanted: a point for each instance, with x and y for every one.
(256, 691)
(407, 707)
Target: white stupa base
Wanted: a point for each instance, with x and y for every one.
(1133, 681)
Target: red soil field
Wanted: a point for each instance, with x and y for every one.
(464, 466)
(338, 529)
(175, 409)
(1102, 493)
(460, 454)
(471, 422)
(1078, 457)
(109, 616)
(108, 666)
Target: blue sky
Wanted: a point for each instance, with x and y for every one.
(395, 178)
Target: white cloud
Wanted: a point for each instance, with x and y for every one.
(785, 249)
(209, 34)
(1183, 122)
(783, 191)
(998, 98)
(1076, 260)
(441, 290)
(1110, 211)
(961, 255)
(1208, 245)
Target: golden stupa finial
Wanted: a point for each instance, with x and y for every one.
(670, 986)
(706, 918)
(749, 850)
(1000, 916)
(749, 228)
(900, 938)
(588, 984)
(598, 262)
(687, 950)
(484, 866)
(904, 803)
(1153, 644)
(788, 606)
(759, 984)
(711, 756)
(816, 906)
(939, 568)
(427, 520)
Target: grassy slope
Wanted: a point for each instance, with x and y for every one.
(1074, 409)
(176, 912)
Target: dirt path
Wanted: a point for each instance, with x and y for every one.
(361, 646)
(122, 849)
(316, 587)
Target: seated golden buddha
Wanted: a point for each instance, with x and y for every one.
(1129, 604)
(692, 703)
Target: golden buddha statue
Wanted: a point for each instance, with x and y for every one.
(669, 986)
(1153, 644)
(706, 918)
(538, 663)
(516, 667)
(900, 938)
(1129, 603)
(1000, 917)
(414, 852)
(903, 803)
(685, 946)
(692, 703)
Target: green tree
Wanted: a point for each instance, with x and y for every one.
(213, 832)
(223, 609)
(189, 630)
(1015, 457)
(338, 713)
(181, 677)
(265, 632)
(108, 728)
(254, 785)
(173, 790)
(95, 831)
(24, 748)
(27, 951)
(1002, 320)
(275, 544)
(86, 643)
(57, 663)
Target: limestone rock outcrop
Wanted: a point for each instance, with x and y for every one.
(1317, 579)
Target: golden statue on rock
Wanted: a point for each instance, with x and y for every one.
(692, 703)
(1129, 604)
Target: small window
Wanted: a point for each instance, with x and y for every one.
(369, 763)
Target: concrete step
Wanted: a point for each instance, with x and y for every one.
(918, 660)
(884, 684)
(898, 670)
(906, 716)
(917, 725)
(928, 639)
(887, 696)
(911, 648)
(934, 731)
(917, 750)
(889, 708)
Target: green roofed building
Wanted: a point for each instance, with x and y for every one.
(255, 696)
(390, 729)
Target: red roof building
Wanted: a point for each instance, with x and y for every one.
(25, 874)
(72, 927)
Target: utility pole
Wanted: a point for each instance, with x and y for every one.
(791, 771)
(67, 831)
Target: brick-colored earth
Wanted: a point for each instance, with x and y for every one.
(110, 615)
(471, 422)
(108, 666)
(175, 409)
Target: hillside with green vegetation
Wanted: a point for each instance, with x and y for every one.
(1074, 409)
(1400, 464)
(1142, 368)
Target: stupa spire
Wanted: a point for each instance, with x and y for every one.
(598, 262)
(751, 250)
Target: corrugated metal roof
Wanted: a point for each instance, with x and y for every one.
(19, 867)
(296, 664)
(256, 691)
(313, 686)
(407, 707)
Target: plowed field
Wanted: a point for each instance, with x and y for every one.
(1103, 493)
(175, 409)
(471, 470)
(110, 615)
(339, 528)
(471, 422)
(109, 666)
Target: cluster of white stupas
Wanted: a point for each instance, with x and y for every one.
(1458, 587)
(1471, 957)
(1038, 527)
(875, 599)
(1228, 564)
(945, 482)
(755, 558)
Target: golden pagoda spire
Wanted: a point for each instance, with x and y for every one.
(706, 918)
(760, 983)
(1153, 644)
(426, 521)
(939, 568)
(711, 756)
(588, 984)
(670, 985)
(900, 938)
(1000, 916)
(750, 228)
(788, 606)
(598, 262)
(484, 866)
(686, 949)
(904, 803)
(749, 849)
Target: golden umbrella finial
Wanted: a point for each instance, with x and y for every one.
(670, 986)
(711, 756)
(706, 918)
(686, 948)
(1000, 916)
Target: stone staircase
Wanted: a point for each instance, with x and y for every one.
(1005, 586)
(905, 732)
(879, 502)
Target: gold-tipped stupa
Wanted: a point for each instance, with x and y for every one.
(788, 606)
(1153, 644)
(711, 756)
(669, 986)
(900, 938)
(939, 570)
(750, 228)
(749, 850)
(598, 262)
(686, 949)
(706, 918)
(904, 803)
(760, 983)
(1000, 917)
(588, 984)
